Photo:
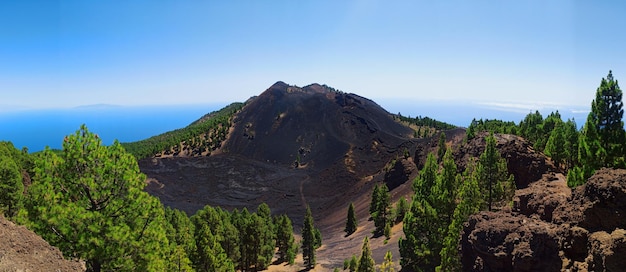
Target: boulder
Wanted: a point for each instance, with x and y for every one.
(598, 205)
(607, 251)
(540, 199)
(402, 170)
(501, 241)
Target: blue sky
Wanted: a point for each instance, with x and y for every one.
(71, 53)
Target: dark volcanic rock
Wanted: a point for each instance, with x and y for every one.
(607, 251)
(574, 243)
(317, 127)
(550, 229)
(524, 163)
(541, 198)
(503, 242)
(403, 170)
(600, 204)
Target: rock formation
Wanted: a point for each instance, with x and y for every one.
(553, 229)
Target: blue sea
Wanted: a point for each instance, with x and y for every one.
(36, 129)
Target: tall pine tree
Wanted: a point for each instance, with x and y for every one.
(366, 262)
(351, 222)
(11, 186)
(469, 202)
(603, 136)
(382, 213)
(495, 182)
(284, 240)
(420, 248)
(555, 147)
(309, 240)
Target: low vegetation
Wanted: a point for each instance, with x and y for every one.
(423, 127)
(199, 138)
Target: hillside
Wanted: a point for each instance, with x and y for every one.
(200, 138)
(290, 147)
(23, 250)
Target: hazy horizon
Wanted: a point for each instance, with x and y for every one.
(37, 128)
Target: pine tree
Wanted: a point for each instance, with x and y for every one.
(11, 186)
(606, 116)
(366, 262)
(351, 222)
(317, 234)
(402, 207)
(470, 133)
(218, 223)
(387, 265)
(374, 202)
(469, 202)
(387, 230)
(89, 202)
(420, 247)
(571, 143)
(441, 150)
(354, 264)
(308, 240)
(546, 128)
(555, 147)
(267, 237)
(285, 239)
(381, 215)
(496, 183)
(531, 128)
(445, 189)
(591, 153)
(211, 255)
(241, 220)
(575, 177)
(180, 234)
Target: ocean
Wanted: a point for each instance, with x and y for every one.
(36, 129)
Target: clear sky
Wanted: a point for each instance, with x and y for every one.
(72, 53)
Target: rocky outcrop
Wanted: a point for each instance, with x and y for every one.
(607, 251)
(506, 242)
(598, 205)
(401, 171)
(524, 163)
(540, 199)
(552, 228)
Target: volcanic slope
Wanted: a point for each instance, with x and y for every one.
(289, 145)
(315, 126)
